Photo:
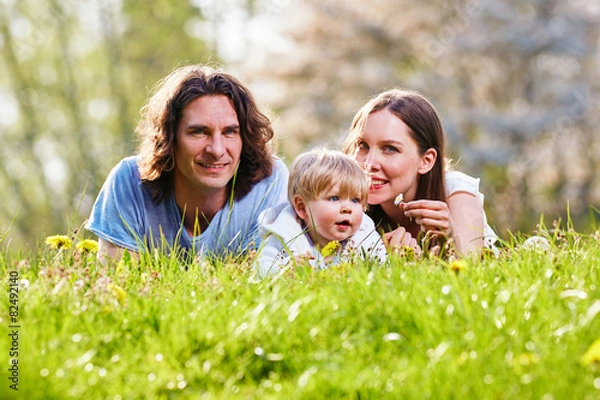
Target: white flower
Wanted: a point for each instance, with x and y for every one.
(537, 243)
(398, 199)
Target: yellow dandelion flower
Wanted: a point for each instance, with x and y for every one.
(592, 355)
(330, 248)
(119, 293)
(87, 246)
(405, 252)
(458, 265)
(59, 242)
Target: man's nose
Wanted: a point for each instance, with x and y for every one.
(215, 147)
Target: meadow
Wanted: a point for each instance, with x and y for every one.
(524, 324)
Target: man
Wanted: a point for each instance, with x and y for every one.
(203, 172)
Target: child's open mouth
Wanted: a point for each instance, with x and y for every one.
(344, 224)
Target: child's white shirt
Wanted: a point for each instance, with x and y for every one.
(284, 237)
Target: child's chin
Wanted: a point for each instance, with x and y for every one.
(345, 236)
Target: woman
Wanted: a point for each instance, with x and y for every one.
(398, 138)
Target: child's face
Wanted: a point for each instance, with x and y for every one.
(330, 217)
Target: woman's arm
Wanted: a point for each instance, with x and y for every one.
(466, 212)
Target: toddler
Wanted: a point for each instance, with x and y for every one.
(324, 220)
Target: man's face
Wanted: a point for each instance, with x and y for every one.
(208, 145)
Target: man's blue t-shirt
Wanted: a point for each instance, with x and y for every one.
(125, 215)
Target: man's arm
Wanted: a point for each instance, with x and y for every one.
(109, 252)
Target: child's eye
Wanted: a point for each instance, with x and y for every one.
(334, 198)
(356, 200)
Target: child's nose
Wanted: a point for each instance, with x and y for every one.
(345, 207)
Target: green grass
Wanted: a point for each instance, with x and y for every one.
(510, 327)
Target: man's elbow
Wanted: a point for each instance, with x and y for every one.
(109, 252)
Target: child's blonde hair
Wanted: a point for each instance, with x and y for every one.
(318, 170)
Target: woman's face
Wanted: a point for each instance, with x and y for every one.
(391, 156)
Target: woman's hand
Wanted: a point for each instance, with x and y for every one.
(432, 216)
(399, 238)
(460, 219)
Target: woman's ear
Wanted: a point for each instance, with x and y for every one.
(427, 161)
(300, 207)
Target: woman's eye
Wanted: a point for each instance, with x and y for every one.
(363, 146)
(390, 149)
